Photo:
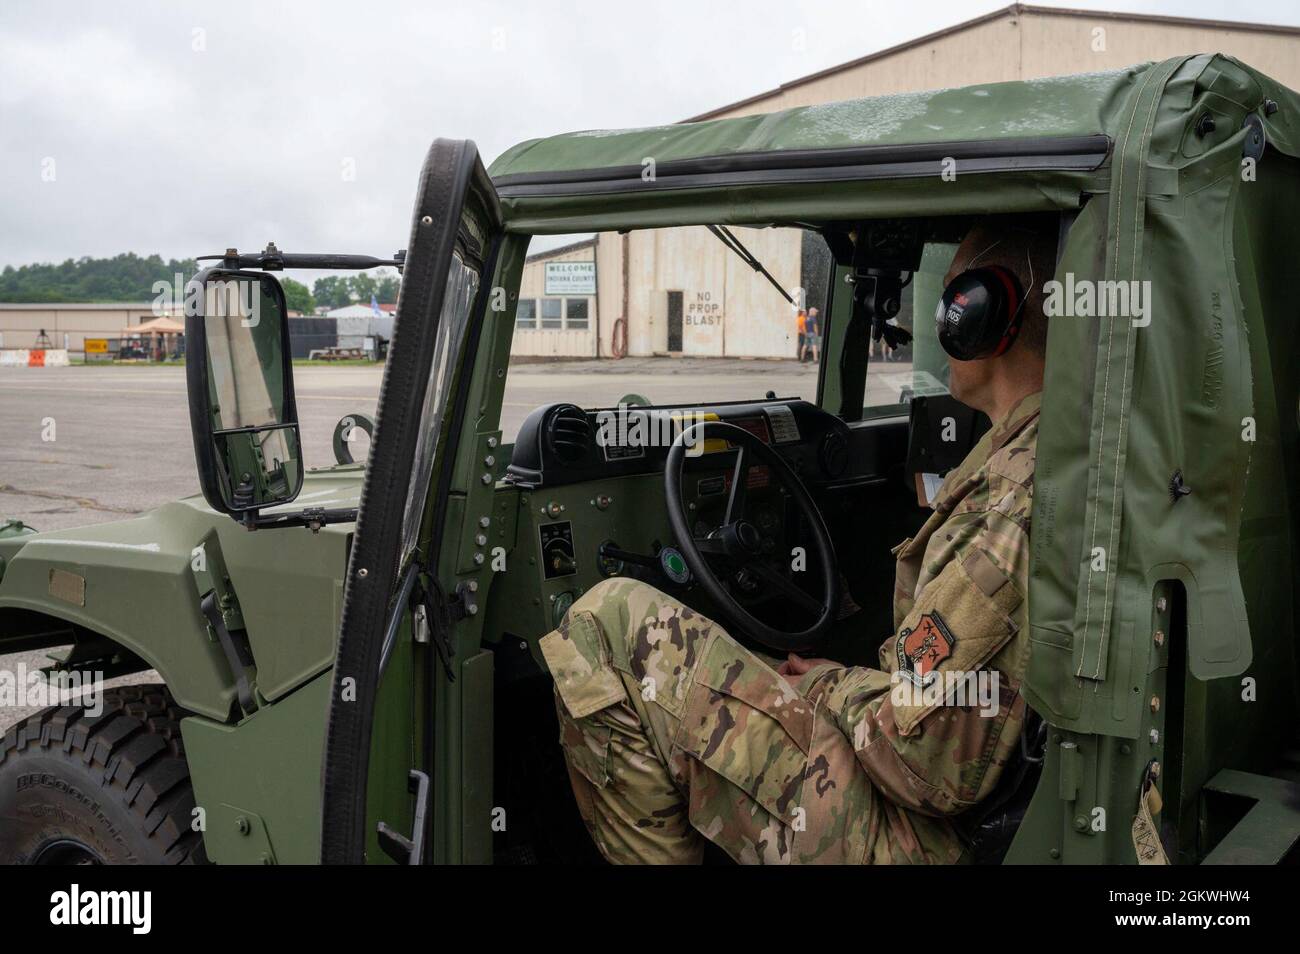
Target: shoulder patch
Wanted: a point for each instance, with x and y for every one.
(920, 649)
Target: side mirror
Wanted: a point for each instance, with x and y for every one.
(239, 375)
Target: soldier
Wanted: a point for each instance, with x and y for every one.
(674, 733)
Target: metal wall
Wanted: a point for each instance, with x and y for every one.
(307, 334)
(566, 341)
(20, 323)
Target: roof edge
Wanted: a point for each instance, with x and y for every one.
(76, 305)
(1015, 9)
(560, 250)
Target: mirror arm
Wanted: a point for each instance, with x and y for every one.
(313, 518)
(271, 259)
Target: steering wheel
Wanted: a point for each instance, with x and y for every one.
(737, 546)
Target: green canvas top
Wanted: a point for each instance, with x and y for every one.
(1052, 134)
(1062, 106)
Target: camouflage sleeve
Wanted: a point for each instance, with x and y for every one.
(935, 725)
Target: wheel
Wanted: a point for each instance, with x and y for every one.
(112, 788)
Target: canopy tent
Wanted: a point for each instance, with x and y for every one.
(156, 326)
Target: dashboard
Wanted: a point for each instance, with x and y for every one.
(561, 444)
(591, 491)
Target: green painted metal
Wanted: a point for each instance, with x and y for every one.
(1271, 827)
(141, 591)
(463, 709)
(258, 782)
(477, 806)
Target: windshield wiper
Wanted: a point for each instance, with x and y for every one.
(726, 238)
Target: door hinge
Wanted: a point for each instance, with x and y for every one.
(221, 611)
(441, 612)
(237, 653)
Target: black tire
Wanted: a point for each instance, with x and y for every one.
(107, 789)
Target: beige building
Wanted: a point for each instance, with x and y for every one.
(556, 316)
(68, 325)
(682, 284)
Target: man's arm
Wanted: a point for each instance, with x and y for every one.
(964, 641)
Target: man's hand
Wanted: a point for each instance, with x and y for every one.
(796, 667)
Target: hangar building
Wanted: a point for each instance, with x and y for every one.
(672, 291)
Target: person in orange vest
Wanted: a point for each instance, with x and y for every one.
(801, 322)
(811, 335)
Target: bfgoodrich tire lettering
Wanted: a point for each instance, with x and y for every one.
(112, 788)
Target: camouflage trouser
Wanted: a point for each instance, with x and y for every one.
(675, 734)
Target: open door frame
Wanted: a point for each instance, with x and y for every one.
(456, 213)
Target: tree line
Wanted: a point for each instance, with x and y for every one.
(131, 278)
(125, 277)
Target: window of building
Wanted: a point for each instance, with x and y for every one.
(575, 313)
(526, 313)
(551, 312)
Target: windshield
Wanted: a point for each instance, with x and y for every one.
(667, 316)
(695, 315)
(919, 368)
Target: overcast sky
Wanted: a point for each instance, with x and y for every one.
(181, 128)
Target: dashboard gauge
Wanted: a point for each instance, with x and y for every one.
(673, 564)
(834, 453)
(557, 549)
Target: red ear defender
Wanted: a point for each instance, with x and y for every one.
(1014, 312)
(980, 313)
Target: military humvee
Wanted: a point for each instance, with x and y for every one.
(358, 679)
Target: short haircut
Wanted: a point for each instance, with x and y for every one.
(1026, 244)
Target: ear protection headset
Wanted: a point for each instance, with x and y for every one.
(980, 312)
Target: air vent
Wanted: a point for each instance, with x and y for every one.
(834, 454)
(569, 434)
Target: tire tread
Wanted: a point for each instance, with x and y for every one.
(134, 747)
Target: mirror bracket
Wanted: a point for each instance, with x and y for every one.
(313, 518)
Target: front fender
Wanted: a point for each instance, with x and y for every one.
(131, 581)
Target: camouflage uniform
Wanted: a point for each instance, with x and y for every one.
(674, 733)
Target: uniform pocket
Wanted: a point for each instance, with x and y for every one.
(578, 658)
(746, 724)
(958, 624)
(587, 748)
